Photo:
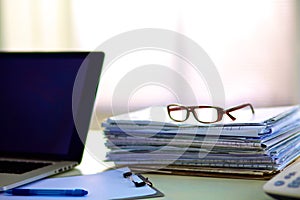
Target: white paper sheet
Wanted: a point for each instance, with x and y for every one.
(159, 116)
(106, 185)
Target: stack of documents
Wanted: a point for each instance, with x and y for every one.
(148, 140)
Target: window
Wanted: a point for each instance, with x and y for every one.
(253, 44)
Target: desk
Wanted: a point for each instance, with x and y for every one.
(183, 187)
(188, 187)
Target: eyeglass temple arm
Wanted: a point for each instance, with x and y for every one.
(237, 108)
(174, 109)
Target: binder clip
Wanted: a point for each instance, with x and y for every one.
(137, 184)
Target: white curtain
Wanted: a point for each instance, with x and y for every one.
(36, 25)
(254, 44)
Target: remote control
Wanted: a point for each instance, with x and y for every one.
(286, 184)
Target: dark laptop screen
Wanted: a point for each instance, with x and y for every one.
(36, 101)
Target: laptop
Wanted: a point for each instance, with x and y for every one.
(46, 102)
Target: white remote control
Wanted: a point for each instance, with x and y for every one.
(286, 184)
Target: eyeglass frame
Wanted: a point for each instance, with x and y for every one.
(221, 112)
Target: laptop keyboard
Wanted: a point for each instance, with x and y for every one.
(19, 167)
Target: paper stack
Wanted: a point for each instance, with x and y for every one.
(148, 140)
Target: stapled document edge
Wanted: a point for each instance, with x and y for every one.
(157, 192)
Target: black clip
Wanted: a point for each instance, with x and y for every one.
(127, 174)
(137, 184)
(148, 182)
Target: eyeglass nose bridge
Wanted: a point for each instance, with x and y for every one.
(192, 110)
(220, 115)
(189, 109)
(195, 115)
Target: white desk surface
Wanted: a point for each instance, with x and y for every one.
(183, 187)
(189, 187)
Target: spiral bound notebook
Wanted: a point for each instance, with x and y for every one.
(106, 185)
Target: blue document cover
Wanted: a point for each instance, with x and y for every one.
(263, 143)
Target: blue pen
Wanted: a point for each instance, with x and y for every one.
(47, 192)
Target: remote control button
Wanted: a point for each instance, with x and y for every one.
(297, 181)
(279, 183)
(292, 173)
(293, 185)
(287, 176)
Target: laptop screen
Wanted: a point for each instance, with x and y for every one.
(36, 102)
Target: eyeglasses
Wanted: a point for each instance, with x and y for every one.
(203, 114)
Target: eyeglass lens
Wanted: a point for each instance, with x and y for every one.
(178, 113)
(205, 115)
